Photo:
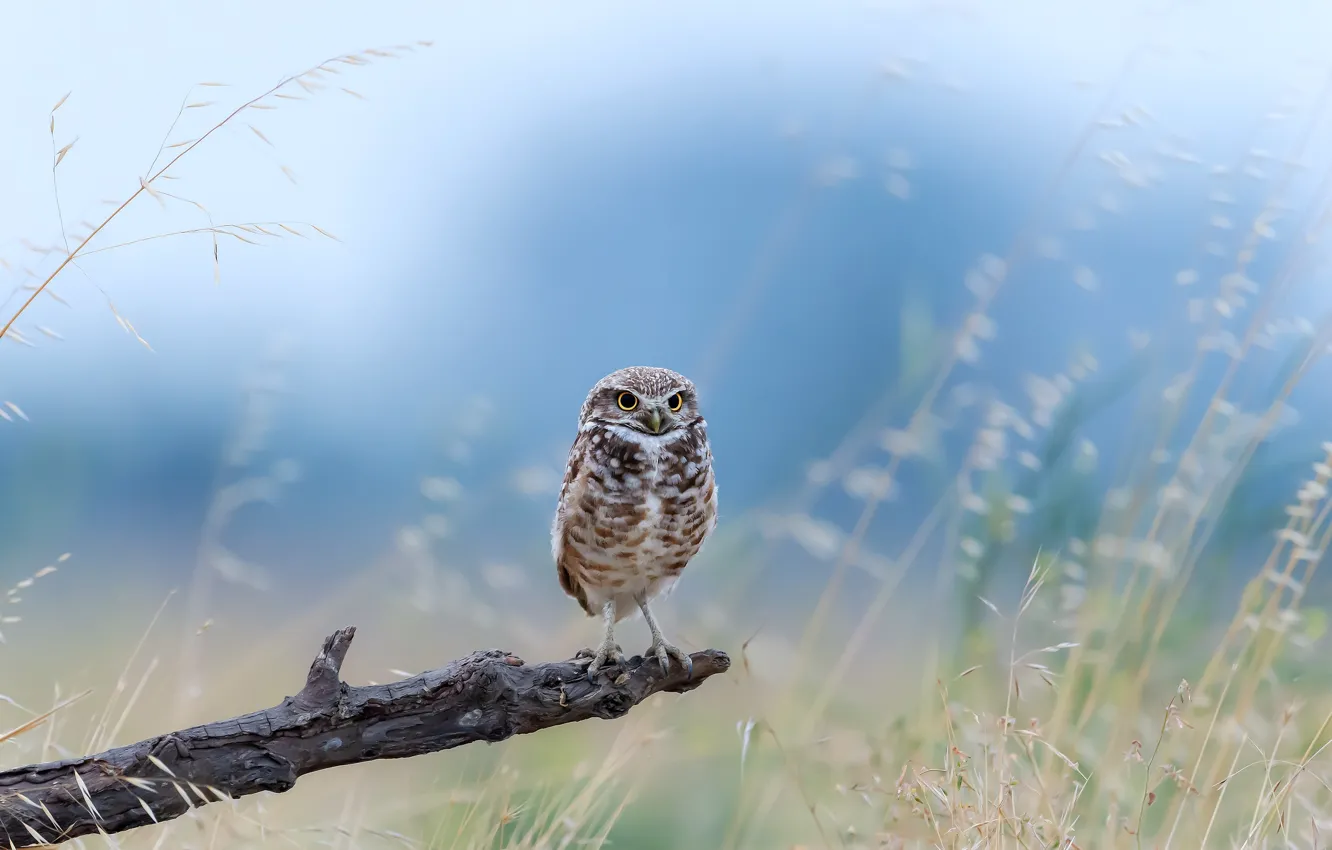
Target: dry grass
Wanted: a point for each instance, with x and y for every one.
(154, 181)
(1074, 719)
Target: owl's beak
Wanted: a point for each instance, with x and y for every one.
(654, 420)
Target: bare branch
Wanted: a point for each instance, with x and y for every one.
(487, 696)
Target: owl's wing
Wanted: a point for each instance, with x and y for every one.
(571, 470)
(557, 534)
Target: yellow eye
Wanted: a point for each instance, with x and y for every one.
(675, 402)
(627, 401)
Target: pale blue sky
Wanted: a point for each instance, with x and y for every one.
(498, 72)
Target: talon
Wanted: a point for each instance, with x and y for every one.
(665, 652)
(607, 655)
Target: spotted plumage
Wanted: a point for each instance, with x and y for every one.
(637, 502)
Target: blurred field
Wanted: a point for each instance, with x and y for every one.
(1016, 388)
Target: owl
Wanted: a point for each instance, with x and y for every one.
(637, 502)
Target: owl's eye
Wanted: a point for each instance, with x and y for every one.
(675, 402)
(627, 401)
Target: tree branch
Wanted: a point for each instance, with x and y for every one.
(487, 696)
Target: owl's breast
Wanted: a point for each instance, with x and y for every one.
(648, 505)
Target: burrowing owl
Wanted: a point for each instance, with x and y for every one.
(637, 502)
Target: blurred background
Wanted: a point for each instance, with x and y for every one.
(965, 287)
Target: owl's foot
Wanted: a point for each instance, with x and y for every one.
(608, 654)
(665, 652)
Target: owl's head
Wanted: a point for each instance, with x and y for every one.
(647, 399)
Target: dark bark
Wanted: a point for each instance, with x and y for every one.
(487, 696)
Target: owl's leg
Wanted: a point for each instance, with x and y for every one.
(660, 648)
(608, 652)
